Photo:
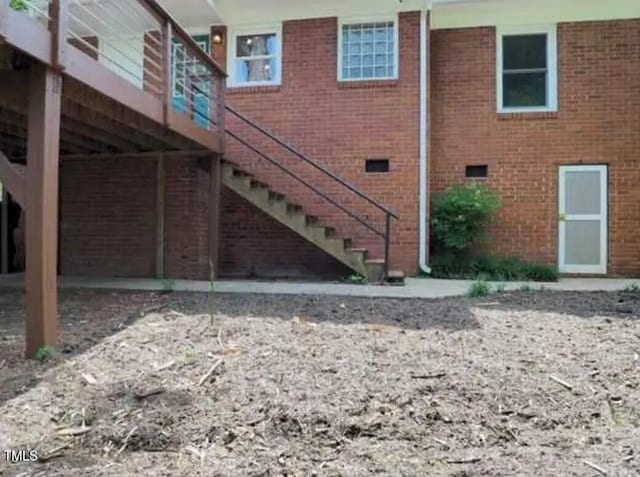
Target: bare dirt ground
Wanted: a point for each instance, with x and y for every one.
(517, 384)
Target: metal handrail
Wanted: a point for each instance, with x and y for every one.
(305, 183)
(349, 186)
(386, 235)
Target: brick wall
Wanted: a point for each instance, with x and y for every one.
(340, 125)
(107, 217)
(598, 122)
(108, 226)
(186, 249)
(255, 245)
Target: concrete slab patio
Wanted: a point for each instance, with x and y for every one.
(414, 288)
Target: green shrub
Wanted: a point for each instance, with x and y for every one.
(357, 279)
(478, 288)
(19, 5)
(45, 353)
(168, 285)
(633, 288)
(498, 269)
(459, 215)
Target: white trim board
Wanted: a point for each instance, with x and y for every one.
(444, 13)
(479, 13)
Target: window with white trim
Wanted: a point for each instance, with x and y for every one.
(527, 72)
(368, 50)
(256, 58)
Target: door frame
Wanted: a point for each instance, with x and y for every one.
(600, 269)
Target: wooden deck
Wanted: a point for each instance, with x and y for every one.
(77, 81)
(98, 100)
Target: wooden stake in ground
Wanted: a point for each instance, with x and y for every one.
(595, 467)
(561, 382)
(126, 440)
(208, 374)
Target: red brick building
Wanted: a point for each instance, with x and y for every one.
(539, 100)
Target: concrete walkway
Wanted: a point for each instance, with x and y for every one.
(414, 288)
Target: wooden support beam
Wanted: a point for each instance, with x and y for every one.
(59, 13)
(160, 214)
(4, 231)
(15, 124)
(42, 208)
(215, 190)
(12, 180)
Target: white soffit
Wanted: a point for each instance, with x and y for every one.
(475, 13)
(192, 13)
(197, 14)
(246, 12)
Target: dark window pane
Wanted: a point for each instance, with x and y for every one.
(524, 51)
(256, 45)
(524, 89)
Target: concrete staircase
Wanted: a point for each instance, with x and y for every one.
(307, 226)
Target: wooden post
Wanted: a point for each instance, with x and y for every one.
(43, 142)
(4, 239)
(160, 192)
(215, 189)
(59, 10)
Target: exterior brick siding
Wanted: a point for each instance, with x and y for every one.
(108, 216)
(256, 246)
(598, 122)
(340, 125)
(108, 226)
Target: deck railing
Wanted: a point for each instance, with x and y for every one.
(140, 42)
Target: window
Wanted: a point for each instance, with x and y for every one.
(527, 76)
(182, 65)
(368, 50)
(256, 58)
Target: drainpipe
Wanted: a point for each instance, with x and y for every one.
(424, 148)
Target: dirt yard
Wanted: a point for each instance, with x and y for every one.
(517, 384)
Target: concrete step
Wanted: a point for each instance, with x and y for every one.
(395, 277)
(375, 269)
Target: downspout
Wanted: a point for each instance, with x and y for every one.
(424, 148)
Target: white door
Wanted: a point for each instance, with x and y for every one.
(582, 202)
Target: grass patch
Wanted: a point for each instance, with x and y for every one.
(634, 288)
(357, 279)
(478, 289)
(498, 269)
(45, 353)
